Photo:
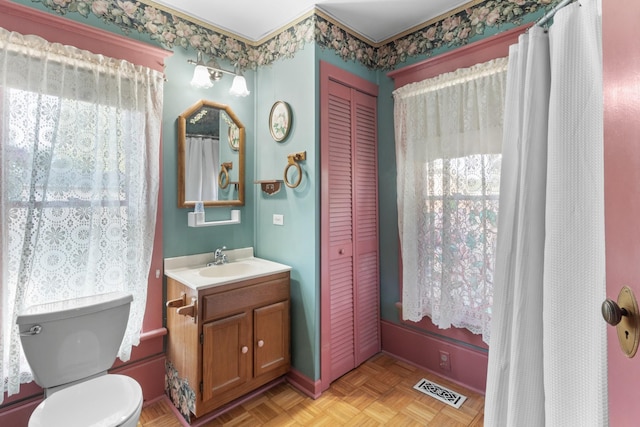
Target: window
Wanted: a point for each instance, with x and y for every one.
(79, 177)
(448, 143)
(71, 191)
(461, 211)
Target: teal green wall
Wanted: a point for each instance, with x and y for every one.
(296, 242)
(178, 238)
(387, 198)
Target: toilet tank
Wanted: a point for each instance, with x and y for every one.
(75, 338)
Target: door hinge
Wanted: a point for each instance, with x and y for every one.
(202, 338)
(201, 387)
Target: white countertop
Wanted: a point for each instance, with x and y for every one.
(189, 269)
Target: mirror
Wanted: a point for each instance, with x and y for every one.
(211, 155)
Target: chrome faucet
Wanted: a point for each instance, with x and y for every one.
(219, 257)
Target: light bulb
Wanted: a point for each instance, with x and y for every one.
(239, 86)
(201, 78)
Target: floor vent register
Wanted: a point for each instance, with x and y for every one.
(441, 393)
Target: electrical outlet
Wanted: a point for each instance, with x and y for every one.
(445, 361)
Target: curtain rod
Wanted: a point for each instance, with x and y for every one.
(552, 12)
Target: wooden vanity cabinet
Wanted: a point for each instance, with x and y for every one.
(238, 341)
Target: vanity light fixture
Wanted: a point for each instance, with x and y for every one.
(239, 85)
(205, 74)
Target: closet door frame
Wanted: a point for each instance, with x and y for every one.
(330, 73)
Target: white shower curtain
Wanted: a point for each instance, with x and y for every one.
(547, 357)
(202, 168)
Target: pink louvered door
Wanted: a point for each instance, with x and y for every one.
(366, 263)
(350, 273)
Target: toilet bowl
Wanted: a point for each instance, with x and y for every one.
(108, 400)
(70, 345)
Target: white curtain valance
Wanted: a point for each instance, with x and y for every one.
(452, 112)
(76, 71)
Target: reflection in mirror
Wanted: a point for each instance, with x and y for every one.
(211, 155)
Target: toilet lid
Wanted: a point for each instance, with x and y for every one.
(108, 400)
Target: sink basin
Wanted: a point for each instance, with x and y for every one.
(190, 270)
(226, 270)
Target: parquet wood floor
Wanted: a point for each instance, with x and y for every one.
(378, 393)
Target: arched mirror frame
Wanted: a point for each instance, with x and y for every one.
(182, 144)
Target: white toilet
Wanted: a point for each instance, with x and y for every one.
(70, 345)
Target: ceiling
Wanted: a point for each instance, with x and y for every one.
(253, 20)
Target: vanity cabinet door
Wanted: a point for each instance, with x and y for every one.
(271, 337)
(226, 354)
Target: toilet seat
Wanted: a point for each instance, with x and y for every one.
(108, 400)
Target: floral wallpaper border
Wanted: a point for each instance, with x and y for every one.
(458, 29)
(179, 391)
(172, 30)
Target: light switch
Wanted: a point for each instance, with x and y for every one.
(278, 219)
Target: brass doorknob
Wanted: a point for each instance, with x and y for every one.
(612, 312)
(625, 316)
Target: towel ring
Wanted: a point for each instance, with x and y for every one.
(292, 160)
(298, 180)
(223, 176)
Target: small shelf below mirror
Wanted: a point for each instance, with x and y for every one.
(270, 186)
(196, 219)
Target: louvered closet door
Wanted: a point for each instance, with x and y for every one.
(340, 236)
(351, 270)
(366, 286)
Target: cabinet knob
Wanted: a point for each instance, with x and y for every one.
(245, 349)
(260, 343)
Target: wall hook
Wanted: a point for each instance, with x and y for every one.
(292, 161)
(271, 186)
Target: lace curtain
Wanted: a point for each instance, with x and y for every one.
(201, 180)
(79, 179)
(448, 133)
